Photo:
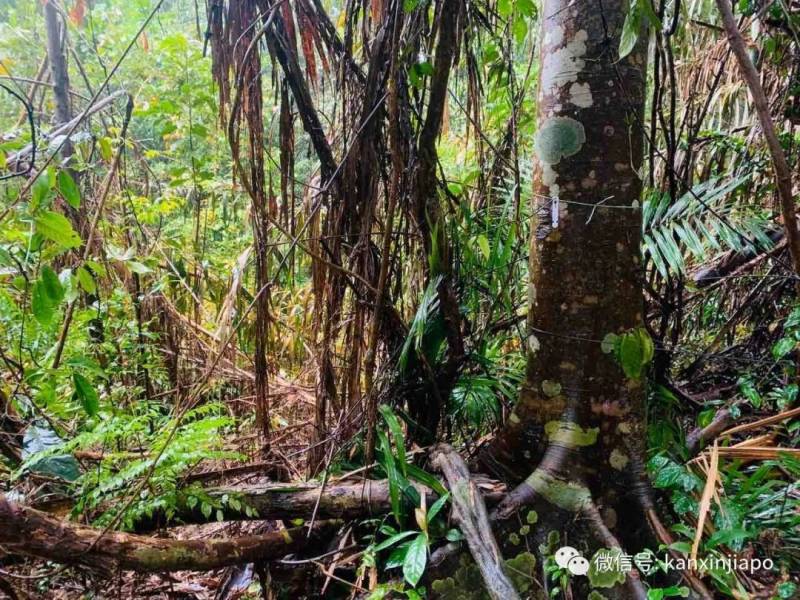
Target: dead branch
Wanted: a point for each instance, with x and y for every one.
(469, 512)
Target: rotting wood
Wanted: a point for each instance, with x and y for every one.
(32, 533)
(346, 501)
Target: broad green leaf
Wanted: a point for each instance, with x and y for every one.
(68, 189)
(437, 506)
(526, 7)
(55, 227)
(395, 483)
(630, 30)
(105, 148)
(415, 561)
(520, 28)
(86, 280)
(41, 305)
(85, 392)
(393, 540)
(41, 187)
(47, 295)
(61, 465)
(425, 478)
(51, 285)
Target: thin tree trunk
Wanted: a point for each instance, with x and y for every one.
(783, 174)
(57, 59)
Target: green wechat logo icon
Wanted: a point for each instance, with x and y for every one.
(573, 561)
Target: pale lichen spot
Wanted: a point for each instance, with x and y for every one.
(559, 138)
(554, 36)
(620, 167)
(588, 183)
(513, 418)
(590, 299)
(533, 344)
(569, 434)
(564, 494)
(580, 95)
(563, 65)
(618, 460)
(608, 130)
(551, 388)
(624, 427)
(567, 366)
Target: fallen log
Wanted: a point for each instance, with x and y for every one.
(30, 532)
(346, 501)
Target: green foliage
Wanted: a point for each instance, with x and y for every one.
(633, 350)
(639, 13)
(56, 227)
(704, 220)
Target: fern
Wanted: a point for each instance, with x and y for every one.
(701, 222)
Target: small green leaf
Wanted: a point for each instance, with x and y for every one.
(55, 227)
(504, 8)
(52, 285)
(41, 187)
(630, 30)
(437, 506)
(483, 244)
(86, 394)
(86, 280)
(415, 561)
(68, 189)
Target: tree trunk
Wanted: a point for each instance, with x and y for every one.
(579, 417)
(57, 59)
(33, 533)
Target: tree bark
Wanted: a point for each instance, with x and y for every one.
(30, 532)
